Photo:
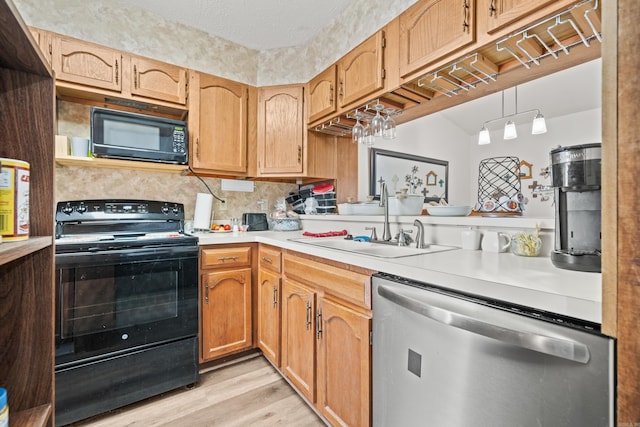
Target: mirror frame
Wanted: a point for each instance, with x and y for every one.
(376, 157)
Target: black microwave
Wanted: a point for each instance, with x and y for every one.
(132, 136)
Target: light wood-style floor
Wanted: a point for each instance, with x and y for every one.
(247, 393)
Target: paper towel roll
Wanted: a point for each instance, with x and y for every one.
(202, 214)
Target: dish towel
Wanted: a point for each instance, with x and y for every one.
(325, 234)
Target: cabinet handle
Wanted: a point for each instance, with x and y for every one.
(117, 72)
(267, 260)
(198, 148)
(318, 324)
(228, 258)
(492, 8)
(135, 77)
(308, 324)
(206, 292)
(465, 23)
(331, 95)
(341, 89)
(275, 296)
(299, 153)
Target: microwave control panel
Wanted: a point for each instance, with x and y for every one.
(179, 140)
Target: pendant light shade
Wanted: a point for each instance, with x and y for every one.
(510, 130)
(539, 125)
(484, 138)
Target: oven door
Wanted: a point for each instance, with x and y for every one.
(113, 300)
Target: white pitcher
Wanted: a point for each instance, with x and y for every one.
(495, 241)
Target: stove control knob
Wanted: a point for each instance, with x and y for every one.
(175, 210)
(81, 209)
(165, 210)
(68, 209)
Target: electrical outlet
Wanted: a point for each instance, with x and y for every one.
(222, 205)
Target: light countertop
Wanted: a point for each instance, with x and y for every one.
(533, 282)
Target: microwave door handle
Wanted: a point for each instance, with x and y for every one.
(562, 348)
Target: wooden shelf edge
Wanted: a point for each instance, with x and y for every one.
(120, 164)
(33, 417)
(10, 251)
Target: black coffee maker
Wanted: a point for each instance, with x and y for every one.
(575, 175)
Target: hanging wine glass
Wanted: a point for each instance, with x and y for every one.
(377, 121)
(368, 138)
(389, 126)
(357, 132)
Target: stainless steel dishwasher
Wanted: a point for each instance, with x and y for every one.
(444, 359)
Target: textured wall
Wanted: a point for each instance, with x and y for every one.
(74, 183)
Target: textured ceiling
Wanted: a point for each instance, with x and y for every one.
(256, 24)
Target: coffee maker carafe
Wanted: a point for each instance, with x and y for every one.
(575, 175)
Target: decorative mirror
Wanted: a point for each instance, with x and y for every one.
(419, 175)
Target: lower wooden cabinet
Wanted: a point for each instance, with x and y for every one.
(269, 315)
(225, 301)
(326, 327)
(344, 364)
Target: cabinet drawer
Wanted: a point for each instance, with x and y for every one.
(346, 284)
(225, 257)
(270, 258)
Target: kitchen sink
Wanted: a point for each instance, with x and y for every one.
(371, 249)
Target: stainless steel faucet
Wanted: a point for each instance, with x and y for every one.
(419, 234)
(384, 201)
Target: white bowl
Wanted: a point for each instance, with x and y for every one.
(372, 208)
(410, 204)
(449, 210)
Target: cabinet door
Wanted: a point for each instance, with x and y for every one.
(322, 157)
(269, 315)
(361, 72)
(226, 312)
(431, 30)
(504, 12)
(321, 94)
(281, 130)
(298, 337)
(84, 63)
(344, 365)
(158, 80)
(217, 124)
(44, 40)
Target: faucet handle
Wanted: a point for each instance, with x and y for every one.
(374, 234)
(403, 237)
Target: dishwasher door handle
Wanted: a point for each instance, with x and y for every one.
(562, 348)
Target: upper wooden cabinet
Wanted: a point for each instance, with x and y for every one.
(361, 71)
(44, 40)
(281, 130)
(218, 124)
(504, 12)
(431, 30)
(158, 80)
(89, 70)
(321, 94)
(87, 64)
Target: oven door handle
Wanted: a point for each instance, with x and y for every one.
(121, 255)
(562, 348)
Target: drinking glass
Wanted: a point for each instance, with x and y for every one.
(377, 121)
(357, 132)
(389, 127)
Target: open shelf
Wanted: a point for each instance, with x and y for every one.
(119, 164)
(10, 251)
(34, 417)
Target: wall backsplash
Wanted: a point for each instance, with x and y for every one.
(73, 183)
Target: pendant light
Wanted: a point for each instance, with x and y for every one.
(538, 127)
